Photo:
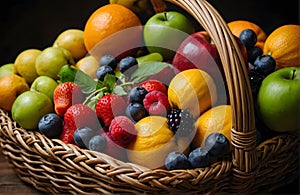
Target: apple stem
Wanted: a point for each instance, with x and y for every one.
(293, 75)
(165, 16)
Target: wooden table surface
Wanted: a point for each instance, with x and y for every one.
(10, 183)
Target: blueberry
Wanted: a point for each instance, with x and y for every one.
(137, 94)
(82, 136)
(199, 158)
(217, 145)
(98, 143)
(248, 37)
(136, 111)
(128, 65)
(253, 53)
(264, 64)
(255, 81)
(176, 160)
(108, 60)
(51, 125)
(102, 71)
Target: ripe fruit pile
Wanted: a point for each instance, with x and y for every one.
(101, 89)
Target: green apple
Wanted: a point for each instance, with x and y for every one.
(137, 6)
(44, 84)
(51, 60)
(164, 32)
(30, 107)
(278, 100)
(6, 69)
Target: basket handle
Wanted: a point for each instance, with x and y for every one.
(243, 132)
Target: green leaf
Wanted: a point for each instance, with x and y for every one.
(108, 83)
(119, 90)
(147, 70)
(71, 74)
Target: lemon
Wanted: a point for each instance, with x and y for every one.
(88, 65)
(25, 64)
(72, 40)
(194, 90)
(154, 142)
(217, 119)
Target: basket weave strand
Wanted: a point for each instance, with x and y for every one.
(53, 166)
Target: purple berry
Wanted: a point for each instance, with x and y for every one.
(264, 64)
(248, 37)
(217, 145)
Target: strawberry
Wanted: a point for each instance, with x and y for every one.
(156, 103)
(78, 115)
(151, 85)
(65, 95)
(122, 131)
(109, 106)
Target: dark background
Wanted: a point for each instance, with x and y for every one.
(36, 23)
(26, 24)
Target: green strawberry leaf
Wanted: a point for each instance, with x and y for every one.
(119, 90)
(71, 74)
(147, 70)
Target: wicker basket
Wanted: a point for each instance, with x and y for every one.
(55, 167)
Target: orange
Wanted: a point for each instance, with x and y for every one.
(112, 29)
(217, 119)
(237, 26)
(11, 86)
(283, 44)
(154, 142)
(192, 89)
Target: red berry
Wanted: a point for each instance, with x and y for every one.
(109, 106)
(151, 85)
(78, 115)
(122, 130)
(156, 103)
(65, 95)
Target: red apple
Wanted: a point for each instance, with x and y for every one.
(197, 51)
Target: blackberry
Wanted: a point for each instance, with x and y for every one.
(180, 121)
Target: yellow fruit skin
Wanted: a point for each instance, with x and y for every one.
(192, 89)
(283, 44)
(72, 40)
(25, 64)
(217, 119)
(88, 65)
(154, 142)
(11, 86)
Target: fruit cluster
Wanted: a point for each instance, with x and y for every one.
(110, 93)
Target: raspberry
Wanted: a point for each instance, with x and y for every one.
(122, 131)
(156, 103)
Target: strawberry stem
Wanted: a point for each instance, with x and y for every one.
(94, 94)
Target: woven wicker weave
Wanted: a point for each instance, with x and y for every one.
(55, 167)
